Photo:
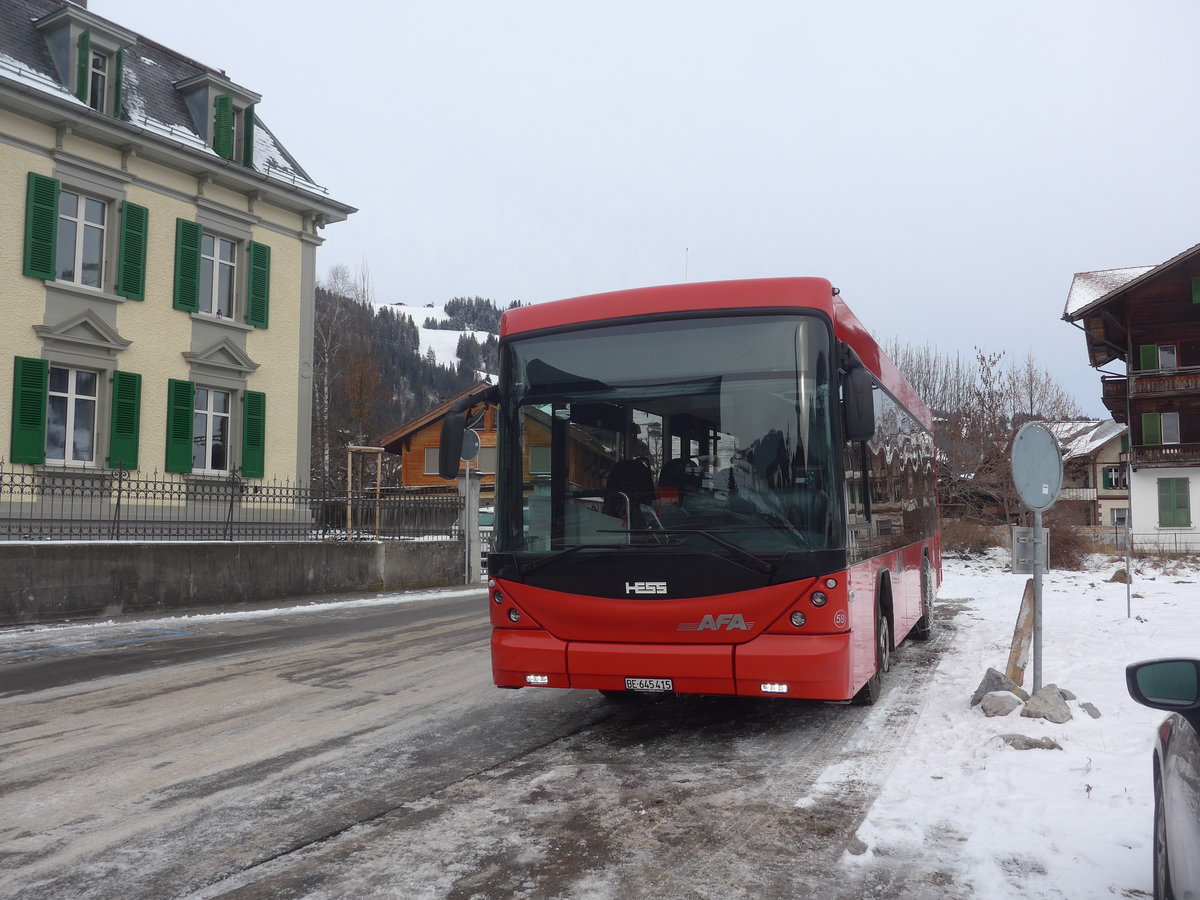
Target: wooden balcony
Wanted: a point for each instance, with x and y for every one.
(1117, 390)
(1160, 455)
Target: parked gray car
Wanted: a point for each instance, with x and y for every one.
(1174, 685)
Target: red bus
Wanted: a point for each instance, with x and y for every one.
(720, 488)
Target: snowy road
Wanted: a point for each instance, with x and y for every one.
(361, 750)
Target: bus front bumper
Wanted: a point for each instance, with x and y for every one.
(815, 667)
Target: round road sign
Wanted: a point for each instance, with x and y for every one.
(1036, 466)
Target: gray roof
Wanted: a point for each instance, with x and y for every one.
(151, 101)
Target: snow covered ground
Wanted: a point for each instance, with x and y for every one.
(960, 808)
(1070, 823)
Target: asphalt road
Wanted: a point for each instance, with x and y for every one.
(362, 751)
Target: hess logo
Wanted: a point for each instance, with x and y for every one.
(645, 587)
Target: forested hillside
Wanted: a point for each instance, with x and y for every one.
(369, 374)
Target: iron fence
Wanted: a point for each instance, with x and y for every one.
(73, 505)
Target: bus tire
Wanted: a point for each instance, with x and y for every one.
(923, 630)
(869, 693)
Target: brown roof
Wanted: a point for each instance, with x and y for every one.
(391, 442)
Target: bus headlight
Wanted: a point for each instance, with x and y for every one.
(514, 615)
(819, 599)
(498, 597)
(798, 619)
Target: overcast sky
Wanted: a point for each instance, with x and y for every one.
(949, 165)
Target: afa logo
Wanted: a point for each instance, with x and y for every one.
(725, 621)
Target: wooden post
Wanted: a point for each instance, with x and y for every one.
(1018, 656)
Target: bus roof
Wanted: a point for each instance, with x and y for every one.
(807, 293)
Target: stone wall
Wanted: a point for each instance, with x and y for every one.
(47, 582)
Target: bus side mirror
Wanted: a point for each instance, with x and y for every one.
(454, 427)
(858, 404)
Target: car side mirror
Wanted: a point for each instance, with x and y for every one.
(1172, 685)
(858, 404)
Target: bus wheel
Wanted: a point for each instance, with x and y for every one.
(868, 695)
(923, 630)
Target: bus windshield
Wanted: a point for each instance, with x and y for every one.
(673, 435)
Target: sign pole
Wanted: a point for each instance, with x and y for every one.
(1039, 554)
(1037, 475)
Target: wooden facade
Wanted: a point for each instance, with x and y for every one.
(417, 442)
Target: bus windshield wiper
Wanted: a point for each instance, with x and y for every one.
(555, 557)
(745, 557)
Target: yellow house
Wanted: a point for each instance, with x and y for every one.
(158, 259)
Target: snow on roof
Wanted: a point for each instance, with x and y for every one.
(151, 100)
(1087, 287)
(1078, 439)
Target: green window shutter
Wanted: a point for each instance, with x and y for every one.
(248, 137)
(126, 420)
(31, 380)
(1151, 429)
(222, 142)
(41, 225)
(254, 434)
(181, 398)
(1125, 443)
(1174, 503)
(131, 258)
(187, 265)
(83, 66)
(1148, 357)
(258, 285)
(1108, 479)
(119, 84)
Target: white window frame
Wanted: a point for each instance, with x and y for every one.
(105, 76)
(73, 401)
(209, 414)
(1118, 516)
(432, 455)
(1168, 357)
(210, 300)
(82, 227)
(1168, 424)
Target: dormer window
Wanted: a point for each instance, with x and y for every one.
(223, 113)
(89, 54)
(233, 130)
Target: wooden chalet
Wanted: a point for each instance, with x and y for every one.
(417, 443)
(1147, 319)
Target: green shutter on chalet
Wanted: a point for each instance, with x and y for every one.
(248, 137)
(181, 398)
(1147, 357)
(126, 420)
(31, 381)
(258, 285)
(41, 225)
(187, 265)
(1151, 428)
(222, 142)
(254, 434)
(131, 256)
(119, 84)
(1174, 503)
(83, 65)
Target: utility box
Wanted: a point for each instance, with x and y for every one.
(1026, 551)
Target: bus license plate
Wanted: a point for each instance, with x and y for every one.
(649, 684)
